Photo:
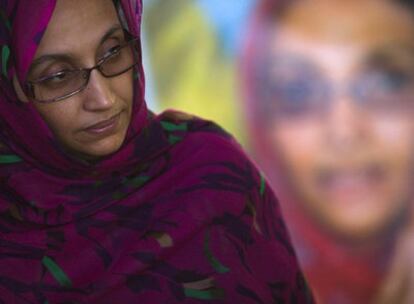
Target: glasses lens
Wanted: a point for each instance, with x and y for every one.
(68, 82)
(387, 90)
(292, 88)
(120, 59)
(60, 84)
(298, 96)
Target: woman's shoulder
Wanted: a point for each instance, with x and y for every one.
(197, 133)
(209, 154)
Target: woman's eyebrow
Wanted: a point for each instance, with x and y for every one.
(48, 57)
(110, 32)
(400, 55)
(63, 57)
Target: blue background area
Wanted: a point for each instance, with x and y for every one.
(229, 18)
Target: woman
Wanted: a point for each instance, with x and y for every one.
(101, 201)
(330, 101)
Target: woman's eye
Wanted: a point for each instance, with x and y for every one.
(59, 78)
(111, 53)
(386, 89)
(389, 81)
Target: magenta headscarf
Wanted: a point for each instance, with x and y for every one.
(22, 128)
(335, 272)
(177, 215)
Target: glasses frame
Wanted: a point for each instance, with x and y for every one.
(358, 90)
(86, 72)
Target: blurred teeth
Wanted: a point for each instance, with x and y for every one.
(351, 180)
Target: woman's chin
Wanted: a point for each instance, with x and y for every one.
(98, 150)
(361, 222)
(355, 212)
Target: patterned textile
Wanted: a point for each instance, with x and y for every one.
(177, 215)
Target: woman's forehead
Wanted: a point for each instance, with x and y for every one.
(366, 22)
(76, 21)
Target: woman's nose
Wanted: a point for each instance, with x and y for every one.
(345, 125)
(98, 95)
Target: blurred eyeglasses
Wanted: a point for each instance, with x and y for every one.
(68, 82)
(301, 93)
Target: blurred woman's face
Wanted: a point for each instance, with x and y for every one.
(94, 122)
(342, 117)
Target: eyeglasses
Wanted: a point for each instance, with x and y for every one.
(301, 94)
(68, 82)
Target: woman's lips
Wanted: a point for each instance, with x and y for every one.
(352, 182)
(105, 127)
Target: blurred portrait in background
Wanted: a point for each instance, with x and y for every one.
(328, 91)
(326, 96)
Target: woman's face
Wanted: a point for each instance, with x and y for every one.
(343, 121)
(94, 122)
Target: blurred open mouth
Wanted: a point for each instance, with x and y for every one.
(349, 183)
